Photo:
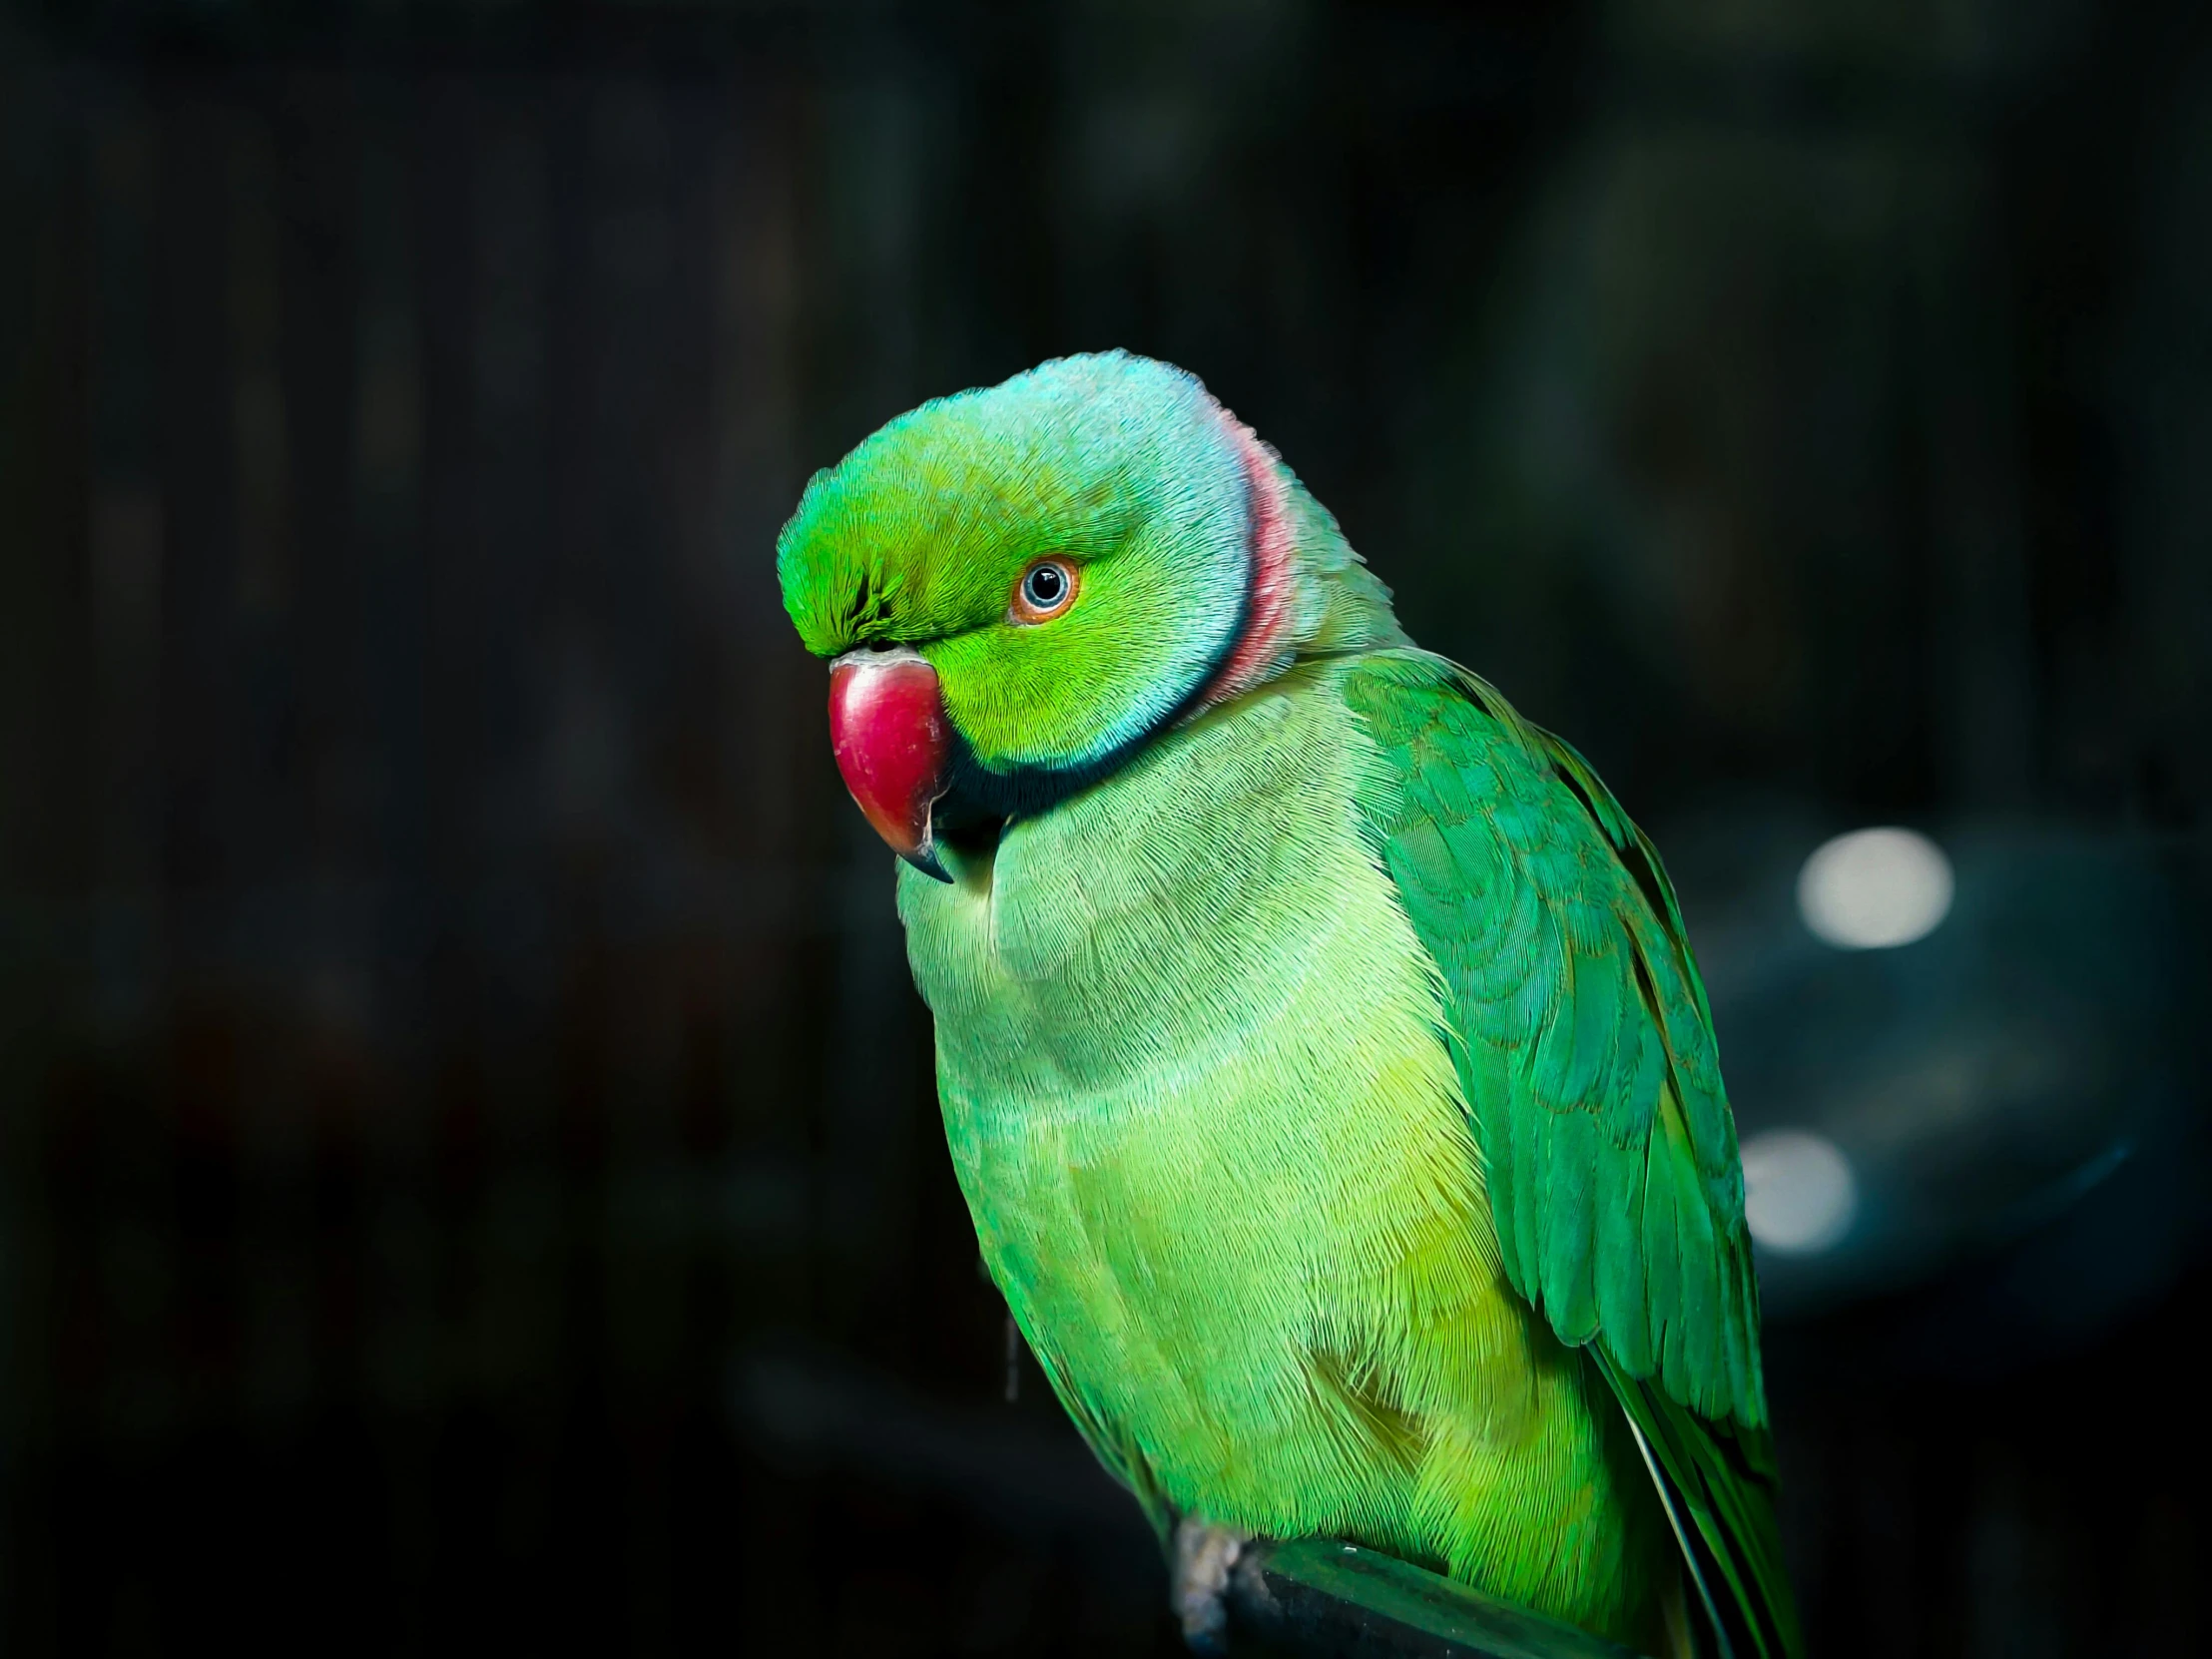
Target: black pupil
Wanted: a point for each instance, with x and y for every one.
(1046, 584)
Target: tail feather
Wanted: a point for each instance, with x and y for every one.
(1716, 1482)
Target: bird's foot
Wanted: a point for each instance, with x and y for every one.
(1205, 1555)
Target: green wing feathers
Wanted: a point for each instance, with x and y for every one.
(1584, 1045)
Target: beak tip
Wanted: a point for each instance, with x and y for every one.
(925, 859)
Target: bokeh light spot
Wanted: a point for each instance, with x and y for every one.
(1799, 1197)
(1874, 888)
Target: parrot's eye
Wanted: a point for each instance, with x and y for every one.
(1046, 589)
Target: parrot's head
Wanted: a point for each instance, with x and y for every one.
(1018, 587)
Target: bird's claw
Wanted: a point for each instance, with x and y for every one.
(1205, 1555)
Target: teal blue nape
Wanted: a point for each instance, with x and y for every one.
(920, 535)
(1323, 1061)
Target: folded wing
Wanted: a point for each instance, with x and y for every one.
(1584, 1044)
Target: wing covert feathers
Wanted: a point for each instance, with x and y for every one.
(1583, 1042)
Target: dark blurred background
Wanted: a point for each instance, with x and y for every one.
(468, 1170)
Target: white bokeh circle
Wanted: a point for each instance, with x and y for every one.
(1874, 888)
(1799, 1197)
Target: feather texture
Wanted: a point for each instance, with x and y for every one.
(1319, 1049)
(1584, 1047)
(1198, 1079)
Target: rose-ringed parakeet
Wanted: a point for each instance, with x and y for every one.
(1319, 1049)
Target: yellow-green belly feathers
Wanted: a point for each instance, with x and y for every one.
(1198, 1092)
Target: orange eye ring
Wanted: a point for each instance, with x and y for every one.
(1046, 590)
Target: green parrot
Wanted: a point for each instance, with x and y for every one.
(1319, 1049)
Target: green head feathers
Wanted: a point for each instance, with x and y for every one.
(1195, 565)
(1121, 468)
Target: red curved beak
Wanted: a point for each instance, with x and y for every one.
(893, 743)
